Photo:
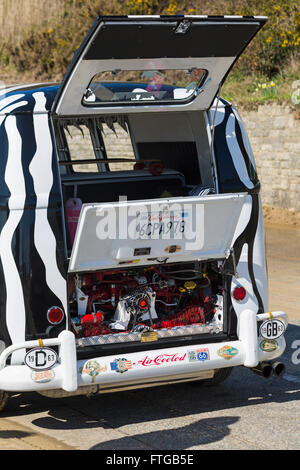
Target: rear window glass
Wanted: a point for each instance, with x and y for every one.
(106, 145)
(133, 86)
(118, 146)
(81, 148)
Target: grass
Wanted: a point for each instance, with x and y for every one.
(16, 18)
(38, 39)
(253, 89)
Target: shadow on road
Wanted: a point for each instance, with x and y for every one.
(204, 431)
(14, 434)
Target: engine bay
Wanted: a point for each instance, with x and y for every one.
(135, 300)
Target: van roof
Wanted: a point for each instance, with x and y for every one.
(16, 99)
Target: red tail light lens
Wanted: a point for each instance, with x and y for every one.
(156, 169)
(55, 315)
(239, 293)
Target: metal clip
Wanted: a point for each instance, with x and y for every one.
(182, 27)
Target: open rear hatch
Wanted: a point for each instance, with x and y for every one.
(149, 270)
(148, 232)
(206, 47)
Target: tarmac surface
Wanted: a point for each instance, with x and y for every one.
(246, 412)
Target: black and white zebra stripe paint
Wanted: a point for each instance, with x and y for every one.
(236, 173)
(32, 275)
(31, 219)
(41, 171)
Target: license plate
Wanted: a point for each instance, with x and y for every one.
(171, 228)
(272, 329)
(162, 225)
(41, 358)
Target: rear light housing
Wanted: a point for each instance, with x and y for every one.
(239, 293)
(55, 315)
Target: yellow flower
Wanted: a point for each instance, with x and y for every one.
(61, 42)
(264, 85)
(172, 8)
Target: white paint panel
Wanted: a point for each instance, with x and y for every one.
(14, 178)
(41, 171)
(250, 302)
(236, 154)
(245, 137)
(259, 260)
(5, 102)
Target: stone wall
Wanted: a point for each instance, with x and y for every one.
(274, 133)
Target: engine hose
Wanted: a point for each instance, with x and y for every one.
(179, 278)
(186, 271)
(167, 305)
(189, 278)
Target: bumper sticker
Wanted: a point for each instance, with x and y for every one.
(268, 345)
(92, 368)
(42, 376)
(198, 355)
(121, 365)
(161, 359)
(227, 352)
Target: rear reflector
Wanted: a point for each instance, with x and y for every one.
(55, 315)
(239, 293)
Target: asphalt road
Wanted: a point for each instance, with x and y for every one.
(246, 412)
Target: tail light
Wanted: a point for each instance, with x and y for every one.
(155, 169)
(55, 315)
(239, 293)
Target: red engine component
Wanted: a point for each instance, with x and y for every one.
(176, 304)
(90, 318)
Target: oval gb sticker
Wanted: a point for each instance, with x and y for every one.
(272, 329)
(40, 358)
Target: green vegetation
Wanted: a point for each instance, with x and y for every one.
(254, 88)
(265, 72)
